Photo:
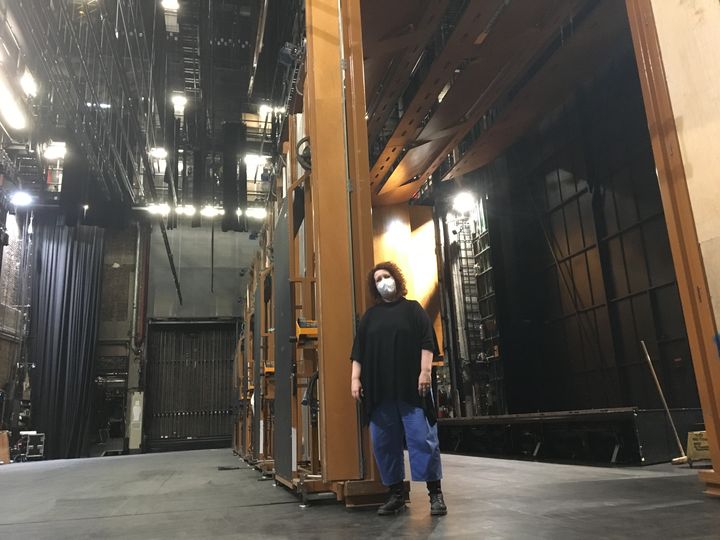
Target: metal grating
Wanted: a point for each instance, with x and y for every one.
(188, 389)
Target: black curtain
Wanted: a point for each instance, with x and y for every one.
(66, 277)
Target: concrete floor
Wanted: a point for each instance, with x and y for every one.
(184, 495)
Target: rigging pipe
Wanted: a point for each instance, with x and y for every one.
(258, 44)
(140, 289)
(170, 259)
(136, 293)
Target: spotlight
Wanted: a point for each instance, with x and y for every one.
(464, 202)
(187, 210)
(159, 209)
(158, 153)
(170, 5)
(54, 151)
(21, 198)
(266, 109)
(254, 161)
(256, 213)
(28, 84)
(397, 231)
(209, 212)
(179, 101)
(238, 212)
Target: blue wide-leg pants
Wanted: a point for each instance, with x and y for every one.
(388, 423)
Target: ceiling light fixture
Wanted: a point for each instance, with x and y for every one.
(55, 150)
(179, 101)
(28, 84)
(158, 153)
(187, 210)
(209, 212)
(256, 213)
(255, 160)
(266, 109)
(464, 202)
(21, 198)
(159, 209)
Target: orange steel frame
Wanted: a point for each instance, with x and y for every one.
(336, 245)
(337, 252)
(248, 382)
(305, 359)
(324, 119)
(687, 259)
(267, 371)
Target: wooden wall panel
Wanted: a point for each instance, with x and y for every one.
(689, 41)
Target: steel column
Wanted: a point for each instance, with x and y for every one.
(340, 452)
(359, 179)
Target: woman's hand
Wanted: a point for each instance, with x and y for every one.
(356, 388)
(424, 382)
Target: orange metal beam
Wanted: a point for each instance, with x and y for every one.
(340, 446)
(460, 45)
(501, 61)
(359, 172)
(384, 97)
(586, 54)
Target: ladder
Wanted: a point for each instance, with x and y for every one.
(470, 301)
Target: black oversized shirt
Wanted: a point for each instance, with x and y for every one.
(388, 344)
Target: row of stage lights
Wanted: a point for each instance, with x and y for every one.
(207, 211)
(23, 199)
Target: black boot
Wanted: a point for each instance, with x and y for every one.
(395, 502)
(437, 503)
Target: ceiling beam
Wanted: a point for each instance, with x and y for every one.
(519, 35)
(587, 52)
(389, 61)
(460, 46)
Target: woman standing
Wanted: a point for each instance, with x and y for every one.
(391, 373)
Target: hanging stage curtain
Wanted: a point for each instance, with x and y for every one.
(66, 276)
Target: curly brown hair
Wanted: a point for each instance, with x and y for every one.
(395, 272)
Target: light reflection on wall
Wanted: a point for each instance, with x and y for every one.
(406, 236)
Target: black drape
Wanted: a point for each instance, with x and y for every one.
(66, 273)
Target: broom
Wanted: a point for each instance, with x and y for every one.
(682, 459)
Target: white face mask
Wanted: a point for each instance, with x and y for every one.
(386, 287)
